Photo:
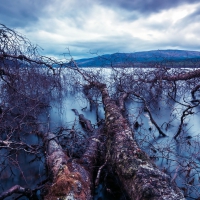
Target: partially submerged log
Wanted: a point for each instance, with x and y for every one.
(71, 178)
(140, 178)
(83, 121)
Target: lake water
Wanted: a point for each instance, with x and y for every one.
(178, 157)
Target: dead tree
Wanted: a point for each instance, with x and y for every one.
(24, 94)
(133, 167)
(139, 176)
(71, 178)
(27, 83)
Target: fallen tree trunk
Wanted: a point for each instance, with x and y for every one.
(183, 76)
(71, 178)
(140, 178)
(68, 177)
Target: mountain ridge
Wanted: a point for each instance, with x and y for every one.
(144, 57)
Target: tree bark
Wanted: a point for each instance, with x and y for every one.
(71, 178)
(181, 76)
(140, 178)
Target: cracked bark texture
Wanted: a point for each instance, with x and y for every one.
(140, 178)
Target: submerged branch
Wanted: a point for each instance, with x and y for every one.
(150, 115)
(19, 190)
(194, 90)
(121, 100)
(84, 121)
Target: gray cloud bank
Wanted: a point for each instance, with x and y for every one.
(105, 26)
(21, 13)
(147, 6)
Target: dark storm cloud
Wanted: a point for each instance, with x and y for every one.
(147, 6)
(24, 13)
(103, 26)
(20, 13)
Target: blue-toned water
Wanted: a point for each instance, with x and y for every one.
(180, 158)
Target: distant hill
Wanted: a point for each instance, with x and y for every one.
(170, 58)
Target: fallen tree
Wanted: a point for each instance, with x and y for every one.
(139, 176)
(110, 149)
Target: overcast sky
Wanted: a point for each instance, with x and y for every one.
(103, 26)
